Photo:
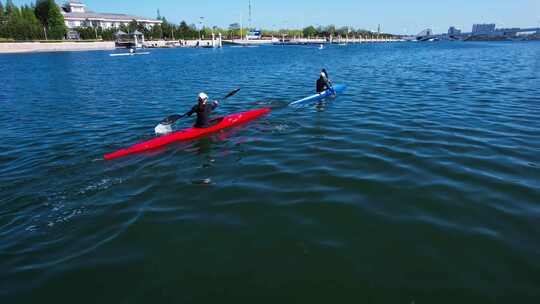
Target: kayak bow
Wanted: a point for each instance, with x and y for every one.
(191, 133)
(338, 88)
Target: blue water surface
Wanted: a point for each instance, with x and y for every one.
(419, 184)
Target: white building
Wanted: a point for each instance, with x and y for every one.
(453, 31)
(76, 15)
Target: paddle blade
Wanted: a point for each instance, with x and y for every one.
(171, 119)
(232, 93)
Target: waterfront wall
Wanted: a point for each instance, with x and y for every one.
(295, 40)
(28, 47)
(180, 43)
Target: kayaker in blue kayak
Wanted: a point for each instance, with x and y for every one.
(323, 83)
(203, 110)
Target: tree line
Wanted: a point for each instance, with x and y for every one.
(166, 31)
(332, 30)
(38, 21)
(44, 20)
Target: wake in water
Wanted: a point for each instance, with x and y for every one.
(278, 126)
(273, 104)
(62, 207)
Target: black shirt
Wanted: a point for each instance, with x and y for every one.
(203, 113)
(322, 85)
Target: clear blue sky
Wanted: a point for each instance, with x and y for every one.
(395, 16)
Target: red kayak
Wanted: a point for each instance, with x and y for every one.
(191, 133)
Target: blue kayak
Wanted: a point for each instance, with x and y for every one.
(338, 88)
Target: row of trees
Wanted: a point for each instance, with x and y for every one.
(166, 31)
(236, 31)
(331, 30)
(42, 20)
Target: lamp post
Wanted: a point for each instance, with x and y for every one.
(201, 27)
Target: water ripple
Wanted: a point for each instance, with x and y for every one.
(424, 175)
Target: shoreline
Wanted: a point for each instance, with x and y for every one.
(40, 47)
(81, 46)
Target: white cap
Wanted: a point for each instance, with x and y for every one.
(203, 96)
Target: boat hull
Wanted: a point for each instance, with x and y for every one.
(338, 88)
(191, 133)
(128, 54)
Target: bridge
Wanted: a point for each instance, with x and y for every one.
(515, 30)
(425, 35)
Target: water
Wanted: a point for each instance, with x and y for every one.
(420, 184)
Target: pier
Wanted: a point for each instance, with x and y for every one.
(309, 41)
(215, 42)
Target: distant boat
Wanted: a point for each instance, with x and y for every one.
(321, 47)
(129, 54)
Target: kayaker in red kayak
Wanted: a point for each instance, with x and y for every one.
(190, 133)
(203, 110)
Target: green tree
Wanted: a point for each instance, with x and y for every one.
(234, 29)
(51, 18)
(132, 26)
(124, 28)
(30, 25)
(2, 30)
(12, 22)
(184, 30)
(166, 28)
(155, 32)
(343, 31)
(330, 29)
(57, 25)
(42, 12)
(86, 32)
(108, 34)
(10, 8)
(310, 31)
(20, 24)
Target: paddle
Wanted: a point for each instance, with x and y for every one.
(331, 87)
(173, 118)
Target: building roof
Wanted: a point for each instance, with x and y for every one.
(88, 14)
(75, 2)
(106, 16)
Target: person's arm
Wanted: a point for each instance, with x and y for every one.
(193, 110)
(215, 104)
(325, 85)
(329, 86)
